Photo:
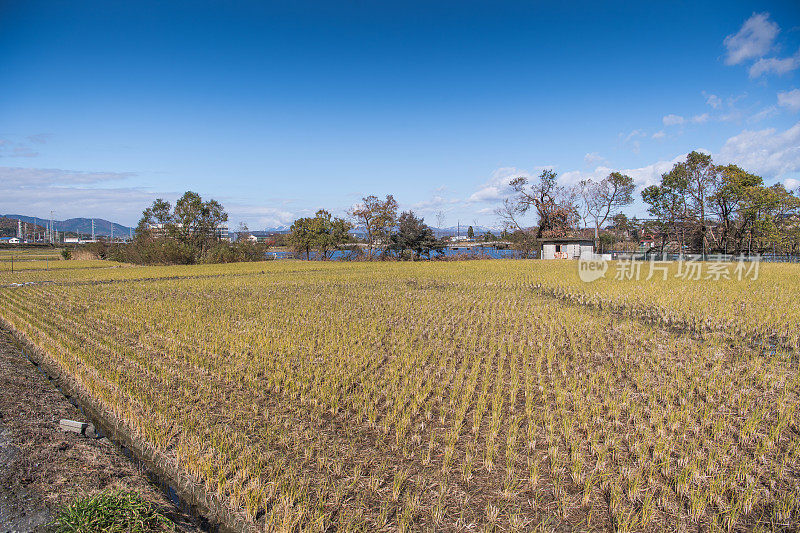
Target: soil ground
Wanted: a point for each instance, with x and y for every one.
(42, 468)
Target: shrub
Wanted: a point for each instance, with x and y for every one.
(98, 250)
(111, 511)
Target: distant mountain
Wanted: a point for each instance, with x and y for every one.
(79, 225)
(7, 222)
(277, 229)
(9, 227)
(455, 230)
(360, 232)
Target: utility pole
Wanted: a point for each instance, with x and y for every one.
(52, 227)
(92, 229)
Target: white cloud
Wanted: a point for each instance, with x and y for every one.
(10, 148)
(734, 115)
(632, 139)
(497, 187)
(437, 201)
(72, 193)
(632, 135)
(488, 193)
(574, 177)
(651, 174)
(659, 135)
(773, 65)
(593, 158)
(790, 99)
(40, 138)
(763, 114)
(23, 151)
(38, 177)
(713, 100)
(260, 217)
(767, 152)
(120, 204)
(753, 40)
(642, 176)
(731, 100)
(700, 119)
(672, 120)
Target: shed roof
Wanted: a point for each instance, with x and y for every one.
(548, 240)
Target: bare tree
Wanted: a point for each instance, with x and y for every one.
(243, 232)
(440, 221)
(555, 205)
(602, 200)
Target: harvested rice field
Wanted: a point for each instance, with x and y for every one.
(499, 395)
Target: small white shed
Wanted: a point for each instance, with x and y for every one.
(566, 248)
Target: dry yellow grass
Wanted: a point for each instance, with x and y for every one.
(449, 396)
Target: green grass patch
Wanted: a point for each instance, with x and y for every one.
(111, 511)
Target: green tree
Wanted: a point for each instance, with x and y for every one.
(622, 225)
(322, 232)
(198, 223)
(159, 214)
(413, 234)
(160, 211)
(734, 201)
(776, 220)
(667, 203)
(377, 217)
(470, 233)
(723, 207)
(184, 235)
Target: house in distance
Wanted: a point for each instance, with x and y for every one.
(567, 247)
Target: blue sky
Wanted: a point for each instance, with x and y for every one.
(278, 109)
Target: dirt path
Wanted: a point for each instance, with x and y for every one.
(43, 468)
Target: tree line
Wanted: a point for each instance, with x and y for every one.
(386, 234)
(722, 209)
(697, 207)
(193, 231)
